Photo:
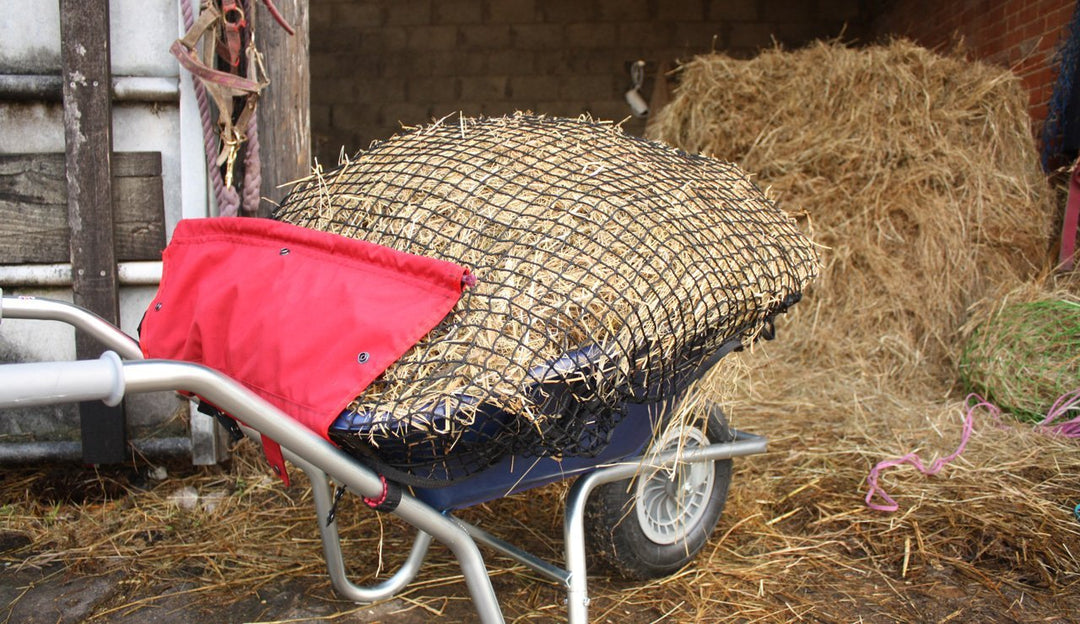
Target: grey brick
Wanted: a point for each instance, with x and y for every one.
(624, 10)
(348, 116)
(511, 11)
(432, 89)
(510, 61)
(377, 90)
(534, 88)
(457, 12)
(786, 11)
(408, 12)
(378, 40)
(590, 35)
(320, 117)
(645, 34)
(586, 87)
(484, 36)
(334, 90)
(537, 36)
(483, 88)
(840, 9)
(567, 11)
(433, 38)
(354, 15)
(681, 11)
(458, 63)
(734, 10)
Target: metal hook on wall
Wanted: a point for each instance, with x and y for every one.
(638, 106)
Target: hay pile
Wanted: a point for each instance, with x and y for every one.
(916, 171)
(919, 174)
(588, 245)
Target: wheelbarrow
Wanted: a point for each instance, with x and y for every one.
(654, 527)
(649, 498)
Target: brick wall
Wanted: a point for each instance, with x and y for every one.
(376, 64)
(1020, 34)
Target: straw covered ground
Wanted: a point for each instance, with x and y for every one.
(918, 174)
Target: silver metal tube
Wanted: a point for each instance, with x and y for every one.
(49, 88)
(577, 592)
(231, 397)
(141, 273)
(146, 89)
(49, 383)
(51, 310)
(534, 563)
(331, 541)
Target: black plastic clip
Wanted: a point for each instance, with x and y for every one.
(338, 493)
(226, 421)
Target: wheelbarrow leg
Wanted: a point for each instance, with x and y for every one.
(577, 586)
(335, 561)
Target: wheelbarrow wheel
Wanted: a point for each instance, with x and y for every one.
(652, 525)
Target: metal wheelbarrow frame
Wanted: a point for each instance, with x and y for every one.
(122, 370)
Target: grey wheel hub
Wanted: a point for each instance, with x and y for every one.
(671, 502)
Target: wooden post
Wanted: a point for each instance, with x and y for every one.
(84, 36)
(284, 113)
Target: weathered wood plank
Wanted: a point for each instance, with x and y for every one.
(284, 113)
(84, 51)
(33, 208)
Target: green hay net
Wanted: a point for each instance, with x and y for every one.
(1025, 356)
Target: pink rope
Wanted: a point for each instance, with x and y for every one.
(914, 460)
(252, 169)
(1068, 402)
(226, 198)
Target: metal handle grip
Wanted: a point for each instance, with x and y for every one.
(49, 383)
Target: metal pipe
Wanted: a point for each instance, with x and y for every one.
(49, 383)
(331, 541)
(232, 398)
(59, 275)
(527, 559)
(577, 592)
(50, 88)
(146, 89)
(51, 310)
(71, 450)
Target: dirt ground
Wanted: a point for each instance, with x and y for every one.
(168, 576)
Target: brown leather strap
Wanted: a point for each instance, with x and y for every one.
(233, 21)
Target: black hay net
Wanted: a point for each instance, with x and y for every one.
(609, 268)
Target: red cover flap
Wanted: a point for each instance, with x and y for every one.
(305, 319)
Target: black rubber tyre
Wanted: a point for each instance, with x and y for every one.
(623, 529)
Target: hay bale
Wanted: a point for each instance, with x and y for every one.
(608, 267)
(1024, 356)
(917, 171)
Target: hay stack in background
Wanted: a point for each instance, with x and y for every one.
(607, 266)
(917, 171)
(919, 174)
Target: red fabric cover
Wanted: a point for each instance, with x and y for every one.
(288, 311)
